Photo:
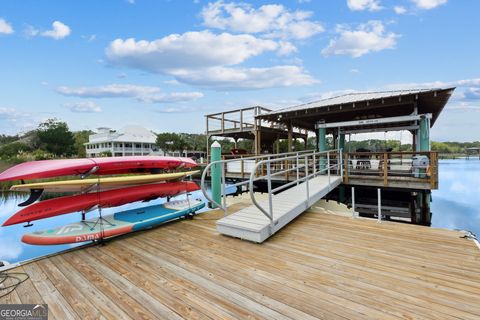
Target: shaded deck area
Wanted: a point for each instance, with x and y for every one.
(319, 266)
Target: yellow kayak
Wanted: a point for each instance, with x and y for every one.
(100, 183)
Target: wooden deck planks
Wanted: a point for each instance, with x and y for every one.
(319, 266)
(301, 260)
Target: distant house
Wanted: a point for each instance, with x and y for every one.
(129, 141)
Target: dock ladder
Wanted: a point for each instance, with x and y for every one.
(306, 178)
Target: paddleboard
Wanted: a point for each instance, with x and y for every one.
(106, 199)
(103, 166)
(100, 183)
(115, 224)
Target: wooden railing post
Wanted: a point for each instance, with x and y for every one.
(433, 170)
(242, 167)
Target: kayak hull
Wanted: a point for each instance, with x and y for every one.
(105, 199)
(115, 224)
(100, 183)
(109, 165)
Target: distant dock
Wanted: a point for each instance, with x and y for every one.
(319, 266)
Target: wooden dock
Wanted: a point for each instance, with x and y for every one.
(319, 266)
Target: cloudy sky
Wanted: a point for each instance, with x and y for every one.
(164, 64)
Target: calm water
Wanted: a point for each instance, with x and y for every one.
(456, 205)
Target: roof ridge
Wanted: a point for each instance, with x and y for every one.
(358, 93)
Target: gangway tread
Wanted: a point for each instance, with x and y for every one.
(251, 224)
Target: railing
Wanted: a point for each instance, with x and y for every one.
(239, 119)
(298, 167)
(306, 166)
(393, 166)
(241, 166)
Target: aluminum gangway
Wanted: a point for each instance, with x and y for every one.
(312, 175)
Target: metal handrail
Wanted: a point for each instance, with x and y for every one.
(306, 178)
(238, 184)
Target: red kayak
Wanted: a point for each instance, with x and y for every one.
(106, 199)
(110, 165)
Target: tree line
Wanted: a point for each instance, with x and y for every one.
(53, 139)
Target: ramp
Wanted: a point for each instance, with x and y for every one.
(309, 176)
(251, 224)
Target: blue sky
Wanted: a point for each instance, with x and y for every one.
(164, 64)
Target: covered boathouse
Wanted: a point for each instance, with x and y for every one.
(400, 181)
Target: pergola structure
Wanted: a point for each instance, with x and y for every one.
(244, 124)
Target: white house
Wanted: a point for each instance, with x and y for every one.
(129, 141)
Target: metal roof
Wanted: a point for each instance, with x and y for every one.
(134, 134)
(360, 105)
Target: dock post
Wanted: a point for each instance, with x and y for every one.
(341, 147)
(424, 137)
(424, 134)
(322, 146)
(379, 195)
(216, 155)
(341, 141)
(354, 214)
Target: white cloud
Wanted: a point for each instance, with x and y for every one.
(31, 31)
(5, 27)
(360, 5)
(286, 48)
(465, 97)
(8, 113)
(429, 4)
(355, 71)
(59, 31)
(172, 82)
(367, 38)
(248, 78)
(130, 1)
(272, 20)
(178, 109)
(399, 10)
(140, 93)
(10, 249)
(108, 91)
(472, 93)
(89, 38)
(191, 50)
(205, 59)
(172, 97)
(83, 107)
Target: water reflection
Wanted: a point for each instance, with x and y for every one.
(456, 204)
